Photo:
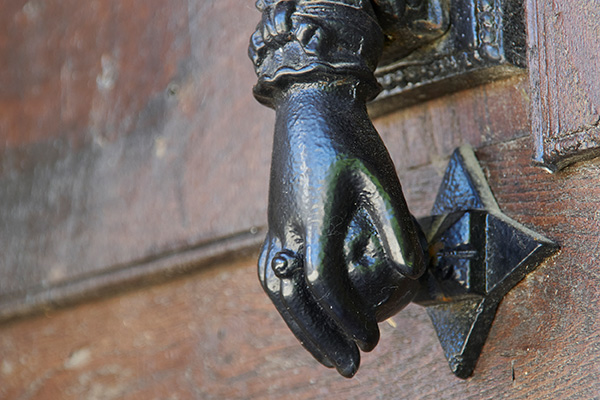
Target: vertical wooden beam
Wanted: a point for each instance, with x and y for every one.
(564, 63)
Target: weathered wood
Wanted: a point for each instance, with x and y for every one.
(421, 138)
(215, 335)
(564, 62)
(128, 132)
(132, 151)
(130, 139)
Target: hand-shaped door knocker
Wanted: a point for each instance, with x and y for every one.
(342, 251)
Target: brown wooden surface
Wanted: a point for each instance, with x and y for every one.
(214, 335)
(131, 145)
(564, 62)
(131, 151)
(128, 131)
(422, 138)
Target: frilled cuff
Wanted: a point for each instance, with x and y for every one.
(307, 41)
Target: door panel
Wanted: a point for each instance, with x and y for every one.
(128, 135)
(133, 152)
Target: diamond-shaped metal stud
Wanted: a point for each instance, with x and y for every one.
(477, 254)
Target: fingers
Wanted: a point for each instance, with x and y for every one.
(318, 326)
(328, 281)
(394, 223)
(283, 279)
(271, 283)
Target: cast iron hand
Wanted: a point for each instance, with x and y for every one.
(342, 251)
(339, 228)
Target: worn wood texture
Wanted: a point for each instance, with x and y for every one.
(130, 144)
(422, 138)
(132, 151)
(564, 62)
(215, 335)
(128, 131)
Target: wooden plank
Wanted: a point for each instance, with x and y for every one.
(215, 335)
(422, 138)
(564, 65)
(162, 268)
(127, 132)
(129, 136)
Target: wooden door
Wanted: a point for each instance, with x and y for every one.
(133, 181)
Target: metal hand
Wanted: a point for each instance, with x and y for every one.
(338, 225)
(339, 228)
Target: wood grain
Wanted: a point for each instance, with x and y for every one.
(422, 138)
(128, 131)
(564, 62)
(214, 335)
(134, 169)
(129, 139)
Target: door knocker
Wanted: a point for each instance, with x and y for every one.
(342, 251)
